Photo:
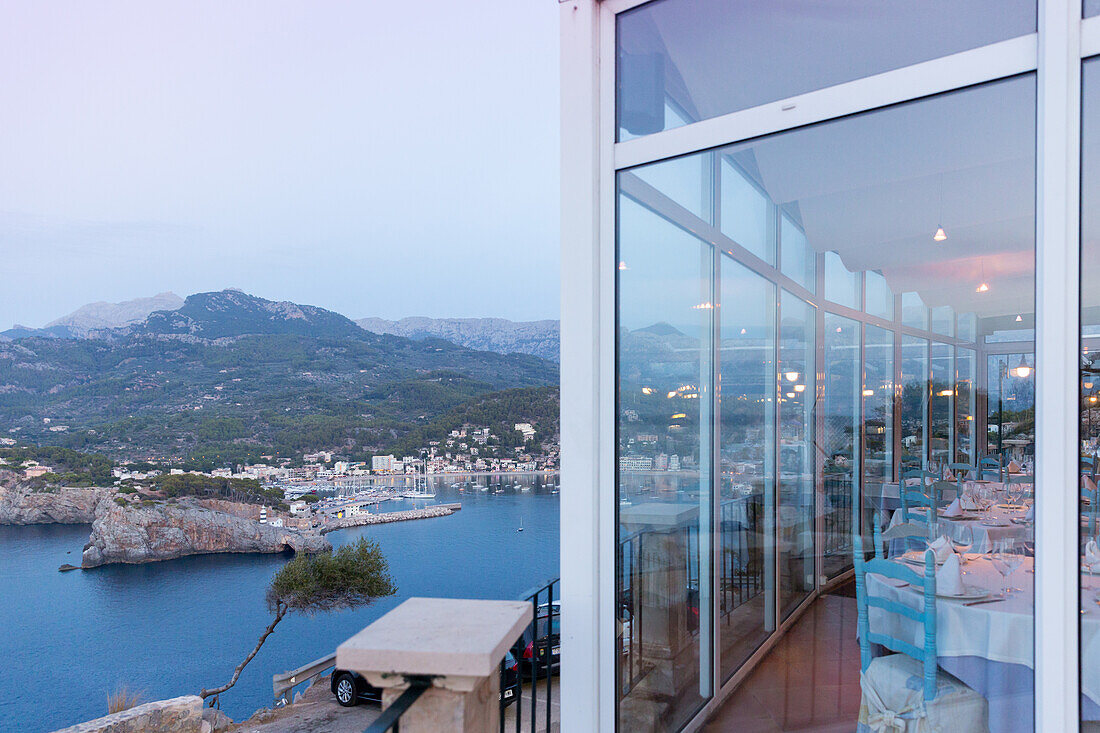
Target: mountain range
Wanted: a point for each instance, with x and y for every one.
(538, 338)
(228, 376)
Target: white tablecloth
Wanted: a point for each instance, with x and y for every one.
(1002, 632)
(982, 533)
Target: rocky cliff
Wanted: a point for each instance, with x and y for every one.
(538, 338)
(20, 505)
(136, 533)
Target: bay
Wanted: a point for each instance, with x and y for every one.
(170, 628)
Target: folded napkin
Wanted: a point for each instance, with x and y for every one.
(1013, 467)
(945, 549)
(1092, 556)
(968, 503)
(954, 509)
(949, 580)
(947, 475)
(1088, 483)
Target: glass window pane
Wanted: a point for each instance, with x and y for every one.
(745, 212)
(913, 311)
(965, 402)
(941, 436)
(747, 454)
(943, 320)
(664, 371)
(839, 439)
(798, 258)
(914, 402)
(968, 327)
(796, 456)
(841, 286)
(704, 58)
(880, 299)
(878, 425)
(682, 180)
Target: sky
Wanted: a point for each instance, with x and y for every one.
(375, 158)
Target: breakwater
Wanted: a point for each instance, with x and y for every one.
(361, 520)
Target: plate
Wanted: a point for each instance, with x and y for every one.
(969, 593)
(917, 561)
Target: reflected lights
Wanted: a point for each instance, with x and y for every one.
(1023, 371)
(945, 393)
(678, 416)
(940, 235)
(800, 388)
(1019, 319)
(647, 390)
(703, 306)
(983, 288)
(791, 376)
(790, 395)
(622, 266)
(868, 392)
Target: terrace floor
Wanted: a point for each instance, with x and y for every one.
(808, 682)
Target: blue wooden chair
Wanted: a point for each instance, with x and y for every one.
(961, 471)
(907, 685)
(992, 463)
(1090, 504)
(927, 497)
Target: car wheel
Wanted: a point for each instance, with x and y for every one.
(345, 690)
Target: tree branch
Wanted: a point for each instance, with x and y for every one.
(280, 611)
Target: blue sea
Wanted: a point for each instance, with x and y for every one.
(171, 628)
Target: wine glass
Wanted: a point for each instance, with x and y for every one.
(1006, 559)
(964, 544)
(1015, 492)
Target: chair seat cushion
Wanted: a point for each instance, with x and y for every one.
(893, 700)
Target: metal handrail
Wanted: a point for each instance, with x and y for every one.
(390, 719)
(283, 683)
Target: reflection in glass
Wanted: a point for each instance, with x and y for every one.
(839, 439)
(941, 404)
(796, 455)
(683, 61)
(797, 257)
(664, 362)
(841, 286)
(745, 212)
(747, 374)
(880, 299)
(913, 311)
(915, 387)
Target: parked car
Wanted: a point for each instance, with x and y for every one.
(351, 688)
(509, 680)
(542, 635)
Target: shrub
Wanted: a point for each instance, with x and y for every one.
(123, 698)
(120, 501)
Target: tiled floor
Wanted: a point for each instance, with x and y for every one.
(808, 682)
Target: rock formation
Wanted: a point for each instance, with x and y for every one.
(135, 533)
(20, 505)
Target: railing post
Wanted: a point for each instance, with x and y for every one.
(457, 644)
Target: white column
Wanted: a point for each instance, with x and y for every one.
(1056, 345)
(587, 396)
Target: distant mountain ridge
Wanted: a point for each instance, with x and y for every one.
(538, 338)
(89, 319)
(232, 313)
(228, 377)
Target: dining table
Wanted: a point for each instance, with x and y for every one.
(1001, 521)
(987, 640)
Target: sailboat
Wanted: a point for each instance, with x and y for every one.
(520, 525)
(422, 492)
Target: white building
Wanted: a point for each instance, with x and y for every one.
(382, 464)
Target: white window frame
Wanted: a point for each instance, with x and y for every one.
(590, 159)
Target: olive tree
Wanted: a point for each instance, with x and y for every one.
(350, 577)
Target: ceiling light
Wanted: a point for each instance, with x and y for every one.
(790, 395)
(744, 331)
(983, 288)
(1092, 398)
(1023, 371)
(1019, 319)
(868, 392)
(622, 266)
(647, 390)
(940, 235)
(1088, 385)
(800, 388)
(791, 376)
(678, 416)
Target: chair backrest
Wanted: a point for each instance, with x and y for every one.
(961, 471)
(925, 616)
(989, 462)
(929, 497)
